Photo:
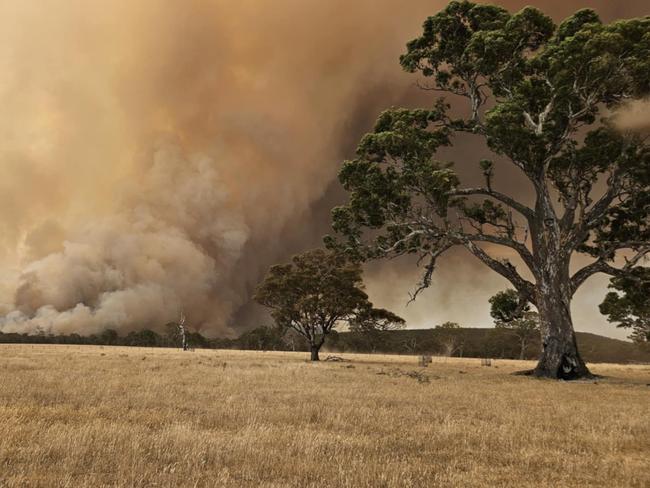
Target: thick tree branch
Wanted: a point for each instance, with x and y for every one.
(538, 127)
(505, 269)
(470, 89)
(602, 265)
(511, 202)
(395, 247)
(642, 253)
(590, 217)
(598, 209)
(521, 249)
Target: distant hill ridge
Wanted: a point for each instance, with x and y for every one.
(494, 343)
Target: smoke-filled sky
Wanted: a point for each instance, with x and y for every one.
(159, 156)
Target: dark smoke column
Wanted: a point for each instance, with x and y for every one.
(544, 84)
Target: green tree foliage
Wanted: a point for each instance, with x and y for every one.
(448, 326)
(263, 339)
(143, 338)
(509, 314)
(172, 335)
(539, 96)
(109, 337)
(629, 305)
(373, 325)
(315, 293)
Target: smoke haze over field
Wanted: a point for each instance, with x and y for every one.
(159, 156)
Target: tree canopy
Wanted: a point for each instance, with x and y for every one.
(541, 96)
(515, 317)
(628, 305)
(373, 325)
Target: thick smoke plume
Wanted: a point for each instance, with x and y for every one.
(159, 155)
(160, 251)
(634, 116)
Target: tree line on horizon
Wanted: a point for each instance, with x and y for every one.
(446, 340)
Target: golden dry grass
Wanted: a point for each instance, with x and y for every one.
(90, 416)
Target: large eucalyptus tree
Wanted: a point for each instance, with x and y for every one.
(541, 97)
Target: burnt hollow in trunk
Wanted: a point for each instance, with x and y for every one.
(561, 360)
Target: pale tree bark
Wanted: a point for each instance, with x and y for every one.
(553, 293)
(181, 328)
(560, 357)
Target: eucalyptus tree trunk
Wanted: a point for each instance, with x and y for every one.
(315, 341)
(314, 348)
(560, 358)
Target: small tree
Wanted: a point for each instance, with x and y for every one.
(509, 314)
(183, 332)
(142, 338)
(176, 332)
(294, 341)
(629, 305)
(373, 326)
(315, 293)
(410, 345)
(109, 337)
(450, 337)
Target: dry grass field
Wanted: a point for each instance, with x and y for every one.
(90, 416)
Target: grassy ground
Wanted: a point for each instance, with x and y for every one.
(91, 416)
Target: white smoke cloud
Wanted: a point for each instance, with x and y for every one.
(170, 247)
(634, 116)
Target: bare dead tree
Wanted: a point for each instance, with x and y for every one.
(182, 330)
